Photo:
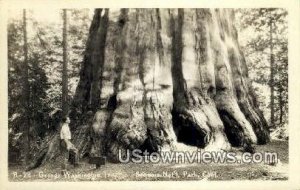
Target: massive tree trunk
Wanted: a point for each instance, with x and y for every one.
(177, 81)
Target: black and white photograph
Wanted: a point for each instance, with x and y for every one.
(148, 94)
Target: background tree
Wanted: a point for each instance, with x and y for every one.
(65, 102)
(37, 111)
(45, 75)
(26, 93)
(15, 62)
(266, 51)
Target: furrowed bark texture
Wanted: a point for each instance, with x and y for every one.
(176, 79)
(87, 95)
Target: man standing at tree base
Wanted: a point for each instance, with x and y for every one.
(67, 147)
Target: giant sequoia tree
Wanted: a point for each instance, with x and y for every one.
(177, 79)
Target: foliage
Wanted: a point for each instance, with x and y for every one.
(255, 25)
(45, 67)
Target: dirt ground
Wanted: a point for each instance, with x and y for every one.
(163, 171)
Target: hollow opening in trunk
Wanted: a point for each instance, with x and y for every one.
(149, 145)
(112, 103)
(232, 129)
(186, 130)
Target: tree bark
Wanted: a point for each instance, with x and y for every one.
(98, 58)
(81, 101)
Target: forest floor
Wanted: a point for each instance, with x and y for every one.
(163, 171)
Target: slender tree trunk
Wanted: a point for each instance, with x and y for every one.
(26, 92)
(65, 102)
(281, 106)
(272, 75)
